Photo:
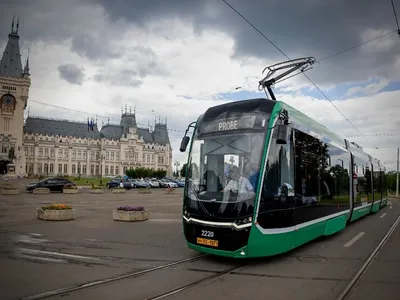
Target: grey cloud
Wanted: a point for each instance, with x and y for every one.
(139, 62)
(94, 49)
(300, 28)
(71, 73)
(122, 78)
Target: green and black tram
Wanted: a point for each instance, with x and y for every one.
(263, 178)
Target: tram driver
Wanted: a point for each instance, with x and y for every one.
(238, 188)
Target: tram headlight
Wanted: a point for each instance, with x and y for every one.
(244, 221)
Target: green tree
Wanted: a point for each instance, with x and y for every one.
(183, 170)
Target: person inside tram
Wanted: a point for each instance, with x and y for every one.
(238, 189)
(252, 172)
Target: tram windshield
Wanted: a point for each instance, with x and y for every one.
(223, 174)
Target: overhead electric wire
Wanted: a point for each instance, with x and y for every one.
(244, 18)
(356, 46)
(377, 134)
(92, 114)
(395, 17)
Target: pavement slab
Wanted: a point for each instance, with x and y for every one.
(39, 256)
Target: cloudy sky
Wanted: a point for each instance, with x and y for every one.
(176, 58)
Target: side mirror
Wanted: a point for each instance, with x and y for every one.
(184, 143)
(282, 134)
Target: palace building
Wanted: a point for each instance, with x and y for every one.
(42, 146)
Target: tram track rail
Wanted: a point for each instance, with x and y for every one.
(95, 283)
(194, 283)
(358, 276)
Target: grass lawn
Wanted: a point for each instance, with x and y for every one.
(89, 181)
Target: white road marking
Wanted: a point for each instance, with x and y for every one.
(35, 234)
(58, 254)
(383, 215)
(46, 259)
(166, 220)
(353, 240)
(390, 207)
(29, 240)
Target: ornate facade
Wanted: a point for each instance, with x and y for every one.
(59, 147)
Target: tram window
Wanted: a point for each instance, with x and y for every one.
(322, 178)
(377, 184)
(362, 188)
(276, 201)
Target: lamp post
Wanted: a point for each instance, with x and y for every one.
(79, 169)
(177, 164)
(341, 160)
(48, 165)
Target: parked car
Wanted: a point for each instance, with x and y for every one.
(54, 184)
(116, 183)
(153, 183)
(138, 183)
(165, 183)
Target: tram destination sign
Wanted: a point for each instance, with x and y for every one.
(228, 124)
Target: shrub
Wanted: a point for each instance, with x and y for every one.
(131, 208)
(69, 187)
(57, 207)
(97, 187)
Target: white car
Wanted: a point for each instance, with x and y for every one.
(153, 183)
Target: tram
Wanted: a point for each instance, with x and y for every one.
(263, 178)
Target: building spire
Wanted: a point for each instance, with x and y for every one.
(12, 24)
(10, 64)
(17, 25)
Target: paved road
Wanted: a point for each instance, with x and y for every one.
(39, 256)
(382, 279)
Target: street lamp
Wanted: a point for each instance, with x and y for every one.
(177, 164)
(79, 169)
(48, 165)
(341, 161)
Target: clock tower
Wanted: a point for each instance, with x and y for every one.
(14, 90)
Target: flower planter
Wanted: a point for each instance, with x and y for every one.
(144, 191)
(169, 190)
(70, 191)
(97, 191)
(10, 191)
(41, 191)
(119, 191)
(55, 214)
(130, 216)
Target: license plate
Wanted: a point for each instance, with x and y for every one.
(207, 242)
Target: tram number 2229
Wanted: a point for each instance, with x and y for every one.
(207, 233)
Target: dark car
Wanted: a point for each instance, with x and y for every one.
(116, 182)
(54, 184)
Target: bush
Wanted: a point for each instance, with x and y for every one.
(131, 208)
(57, 207)
(97, 187)
(69, 187)
(145, 172)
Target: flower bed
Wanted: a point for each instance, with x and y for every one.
(41, 191)
(56, 212)
(9, 189)
(145, 190)
(169, 190)
(70, 189)
(118, 190)
(131, 213)
(97, 189)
